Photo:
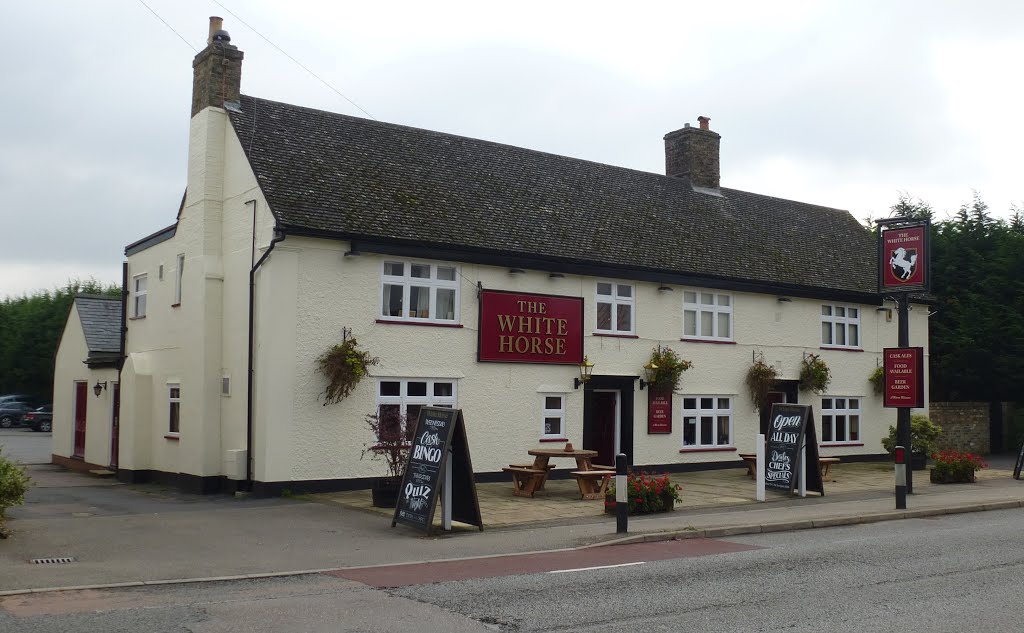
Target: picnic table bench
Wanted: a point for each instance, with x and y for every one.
(750, 461)
(592, 480)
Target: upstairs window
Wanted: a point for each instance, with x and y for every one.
(615, 307)
(139, 296)
(174, 408)
(707, 315)
(419, 292)
(180, 269)
(840, 326)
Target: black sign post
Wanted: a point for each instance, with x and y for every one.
(440, 437)
(1020, 462)
(791, 428)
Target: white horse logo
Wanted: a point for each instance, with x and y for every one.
(903, 263)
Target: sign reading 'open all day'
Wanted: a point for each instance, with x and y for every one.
(530, 328)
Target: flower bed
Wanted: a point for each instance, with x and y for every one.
(952, 467)
(646, 493)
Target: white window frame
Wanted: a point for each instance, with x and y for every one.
(406, 280)
(139, 300)
(844, 322)
(714, 412)
(716, 308)
(173, 406)
(177, 278)
(615, 300)
(829, 415)
(546, 413)
(403, 400)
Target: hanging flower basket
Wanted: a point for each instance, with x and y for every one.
(814, 374)
(876, 379)
(761, 378)
(666, 368)
(344, 365)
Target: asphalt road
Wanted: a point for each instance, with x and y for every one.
(25, 446)
(951, 573)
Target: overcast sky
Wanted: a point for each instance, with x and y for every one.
(841, 104)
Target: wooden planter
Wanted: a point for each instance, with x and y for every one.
(962, 477)
(610, 505)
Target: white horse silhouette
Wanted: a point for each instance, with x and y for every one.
(899, 260)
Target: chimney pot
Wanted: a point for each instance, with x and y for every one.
(216, 24)
(216, 70)
(704, 122)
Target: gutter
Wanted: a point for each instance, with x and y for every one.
(279, 236)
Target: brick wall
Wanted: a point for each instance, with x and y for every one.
(965, 425)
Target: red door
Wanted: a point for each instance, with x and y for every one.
(115, 425)
(81, 401)
(603, 437)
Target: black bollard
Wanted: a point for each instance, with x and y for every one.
(621, 495)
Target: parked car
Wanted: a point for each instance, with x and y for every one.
(16, 397)
(12, 411)
(40, 420)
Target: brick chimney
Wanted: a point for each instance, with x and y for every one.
(216, 70)
(693, 153)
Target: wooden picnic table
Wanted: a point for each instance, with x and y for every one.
(592, 481)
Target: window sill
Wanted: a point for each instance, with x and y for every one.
(137, 318)
(425, 323)
(707, 340)
(172, 436)
(842, 349)
(176, 305)
(554, 439)
(614, 335)
(708, 449)
(840, 444)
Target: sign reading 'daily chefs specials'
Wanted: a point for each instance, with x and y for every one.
(659, 410)
(440, 436)
(530, 328)
(791, 427)
(904, 264)
(904, 376)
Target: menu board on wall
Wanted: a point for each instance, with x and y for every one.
(659, 411)
(440, 435)
(791, 427)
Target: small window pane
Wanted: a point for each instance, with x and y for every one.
(826, 333)
(707, 429)
(140, 284)
(392, 300)
(840, 428)
(175, 392)
(174, 423)
(707, 323)
(840, 311)
(723, 300)
(723, 429)
(552, 426)
(419, 302)
(723, 324)
(604, 289)
(826, 310)
(826, 428)
(443, 388)
(854, 428)
(690, 297)
(396, 269)
(390, 388)
(446, 273)
(854, 334)
(624, 290)
(840, 334)
(553, 402)
(853, 313)
(707, 403)
(412, 413)
(854, 403)
(417, 389)
(445, 304)
(840, 403)
(708, 299)
(624, 316)
(689, 431)
(420, 271)
(689, 323)
(604, 316)
(723, 403)
(826, 403)
(689, 403)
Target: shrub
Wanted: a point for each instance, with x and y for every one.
(647, 493)
(14, 482)
(954, 465)
(394, 440)
(922, 435)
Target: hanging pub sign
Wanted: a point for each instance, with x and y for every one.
(530, 328)
(659, 411)
(791, 427)
(904, 258)
(439, 457)
(904, 376)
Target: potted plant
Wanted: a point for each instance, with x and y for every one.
(922, 440)
(953, 467)
(877, 379)
(665, 368)
(761, 378)
(814, 374)
(344, 365)
(393, 432)
(646, 493)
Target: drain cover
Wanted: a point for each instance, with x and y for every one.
(52, 561)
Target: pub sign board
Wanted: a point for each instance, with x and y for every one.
(440, 435)
(791, 427)
(530, 328)
(904, 376)
(659, 411)
(904, 258)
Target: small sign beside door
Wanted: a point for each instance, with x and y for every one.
(659, 411)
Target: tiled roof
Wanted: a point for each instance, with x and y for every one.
(356, 178)
(101, 322)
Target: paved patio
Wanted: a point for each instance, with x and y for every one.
(560, 503)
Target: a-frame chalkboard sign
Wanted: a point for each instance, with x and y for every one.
(440, 436)
(790, 427)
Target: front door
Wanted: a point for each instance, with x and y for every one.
(605, 428)
(115, 426)
(783, 391)
(81, 401)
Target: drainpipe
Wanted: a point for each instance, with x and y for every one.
(121, 356)
(278, 237)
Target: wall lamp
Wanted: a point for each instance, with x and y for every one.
(650, 372)
(586, 370)
(99, 387)
(665, 288)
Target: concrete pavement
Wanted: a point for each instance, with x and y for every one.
(131, 535)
